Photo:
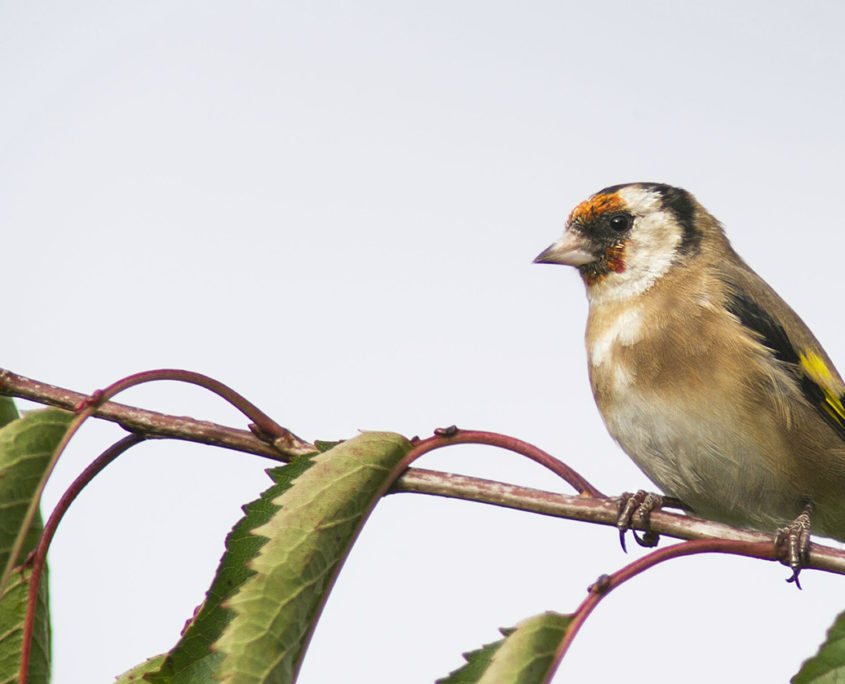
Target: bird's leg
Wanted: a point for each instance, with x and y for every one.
(793, 543)
(638, 506)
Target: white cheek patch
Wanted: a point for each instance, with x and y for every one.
(650, 248)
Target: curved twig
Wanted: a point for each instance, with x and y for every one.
(446, 437)
(88, 405)
(152, 424)
(607, 583)
(452, 435)
(32, 508)
(266, 427)
(39, 556)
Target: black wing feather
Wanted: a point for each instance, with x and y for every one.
(772, 334)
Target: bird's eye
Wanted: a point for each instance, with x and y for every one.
(621, 222)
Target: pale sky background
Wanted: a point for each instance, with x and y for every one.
(333, 207)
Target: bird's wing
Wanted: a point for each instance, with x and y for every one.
(768, 317)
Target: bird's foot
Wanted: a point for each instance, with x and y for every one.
(637, 508)
(793, 543)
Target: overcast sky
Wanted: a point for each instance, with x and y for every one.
(333, 207)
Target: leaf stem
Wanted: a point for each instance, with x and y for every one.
(39, 556)
(87, 406)
(452, 435)
(152, 424)
(607, 583)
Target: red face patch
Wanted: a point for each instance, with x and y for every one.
(613, 262)
(590, 209)
(615, 257)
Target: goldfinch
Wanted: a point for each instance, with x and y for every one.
(706, 378)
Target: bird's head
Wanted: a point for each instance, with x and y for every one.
(623, 238)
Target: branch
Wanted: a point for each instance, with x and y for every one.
(449, 436)
(38, 558)
(264, 426)
(602, 511)
(607, 583)
(151, 424)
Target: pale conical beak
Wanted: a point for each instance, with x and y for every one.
(573, 249)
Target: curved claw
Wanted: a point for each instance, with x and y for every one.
(626, 506)
(794, 578)
(649, 539)
(639, 505)
(793, 543)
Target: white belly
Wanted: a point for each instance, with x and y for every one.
(718, 472)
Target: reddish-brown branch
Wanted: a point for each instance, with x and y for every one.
(266, 427)
(35, 500)
(590, 505)
(764, 550)
(39, 556)
(452, 435)
(151, 423)
(88, 405)
(85, 407)
(446, 437)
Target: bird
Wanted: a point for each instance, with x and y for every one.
(707, 379)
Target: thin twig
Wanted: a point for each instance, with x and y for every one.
(606, 583)
(88, 405)
(452, 435)
(151, 424)
(35, 499)
(263, 425)
(39, 556)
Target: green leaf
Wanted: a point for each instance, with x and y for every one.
(26, 446)
(12, 614)
(8, 411)
(192, 659)
(477, 662)
(524, 656)
(310, 535)
(136, 674)
(828, 665)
